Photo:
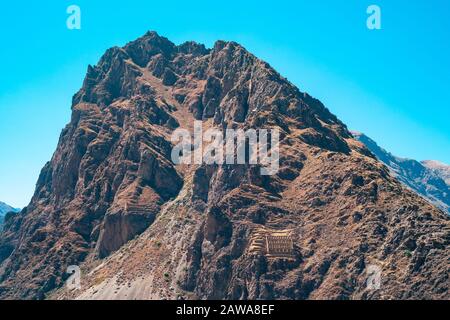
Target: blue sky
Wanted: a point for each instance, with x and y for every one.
(392, 84)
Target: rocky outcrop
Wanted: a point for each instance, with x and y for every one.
(112, 201)
(426, 178)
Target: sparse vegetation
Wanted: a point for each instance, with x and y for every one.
(166, 277)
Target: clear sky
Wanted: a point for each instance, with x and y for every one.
(392, 84)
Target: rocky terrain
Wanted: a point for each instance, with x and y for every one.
(140, 227)
(4, 209)
(428, 178)
(439, 168)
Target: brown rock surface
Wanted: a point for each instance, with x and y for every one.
(112, 201)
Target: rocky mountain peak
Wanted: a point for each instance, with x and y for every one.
(194, 48)
(112, 200)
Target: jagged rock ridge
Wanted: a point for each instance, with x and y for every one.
(439, 168)
(428, 181)
(112, 201)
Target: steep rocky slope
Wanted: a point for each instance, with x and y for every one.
(427, 180)
(111, 200)
(439, 168)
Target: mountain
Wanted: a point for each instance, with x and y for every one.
(424, 179)
(112, 201)
(440, 169)
(4, 209)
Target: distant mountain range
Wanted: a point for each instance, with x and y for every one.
(441, 169)
(4, 209)
(429, 178)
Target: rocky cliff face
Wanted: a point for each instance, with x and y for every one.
(426, 178)
(112, 201)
